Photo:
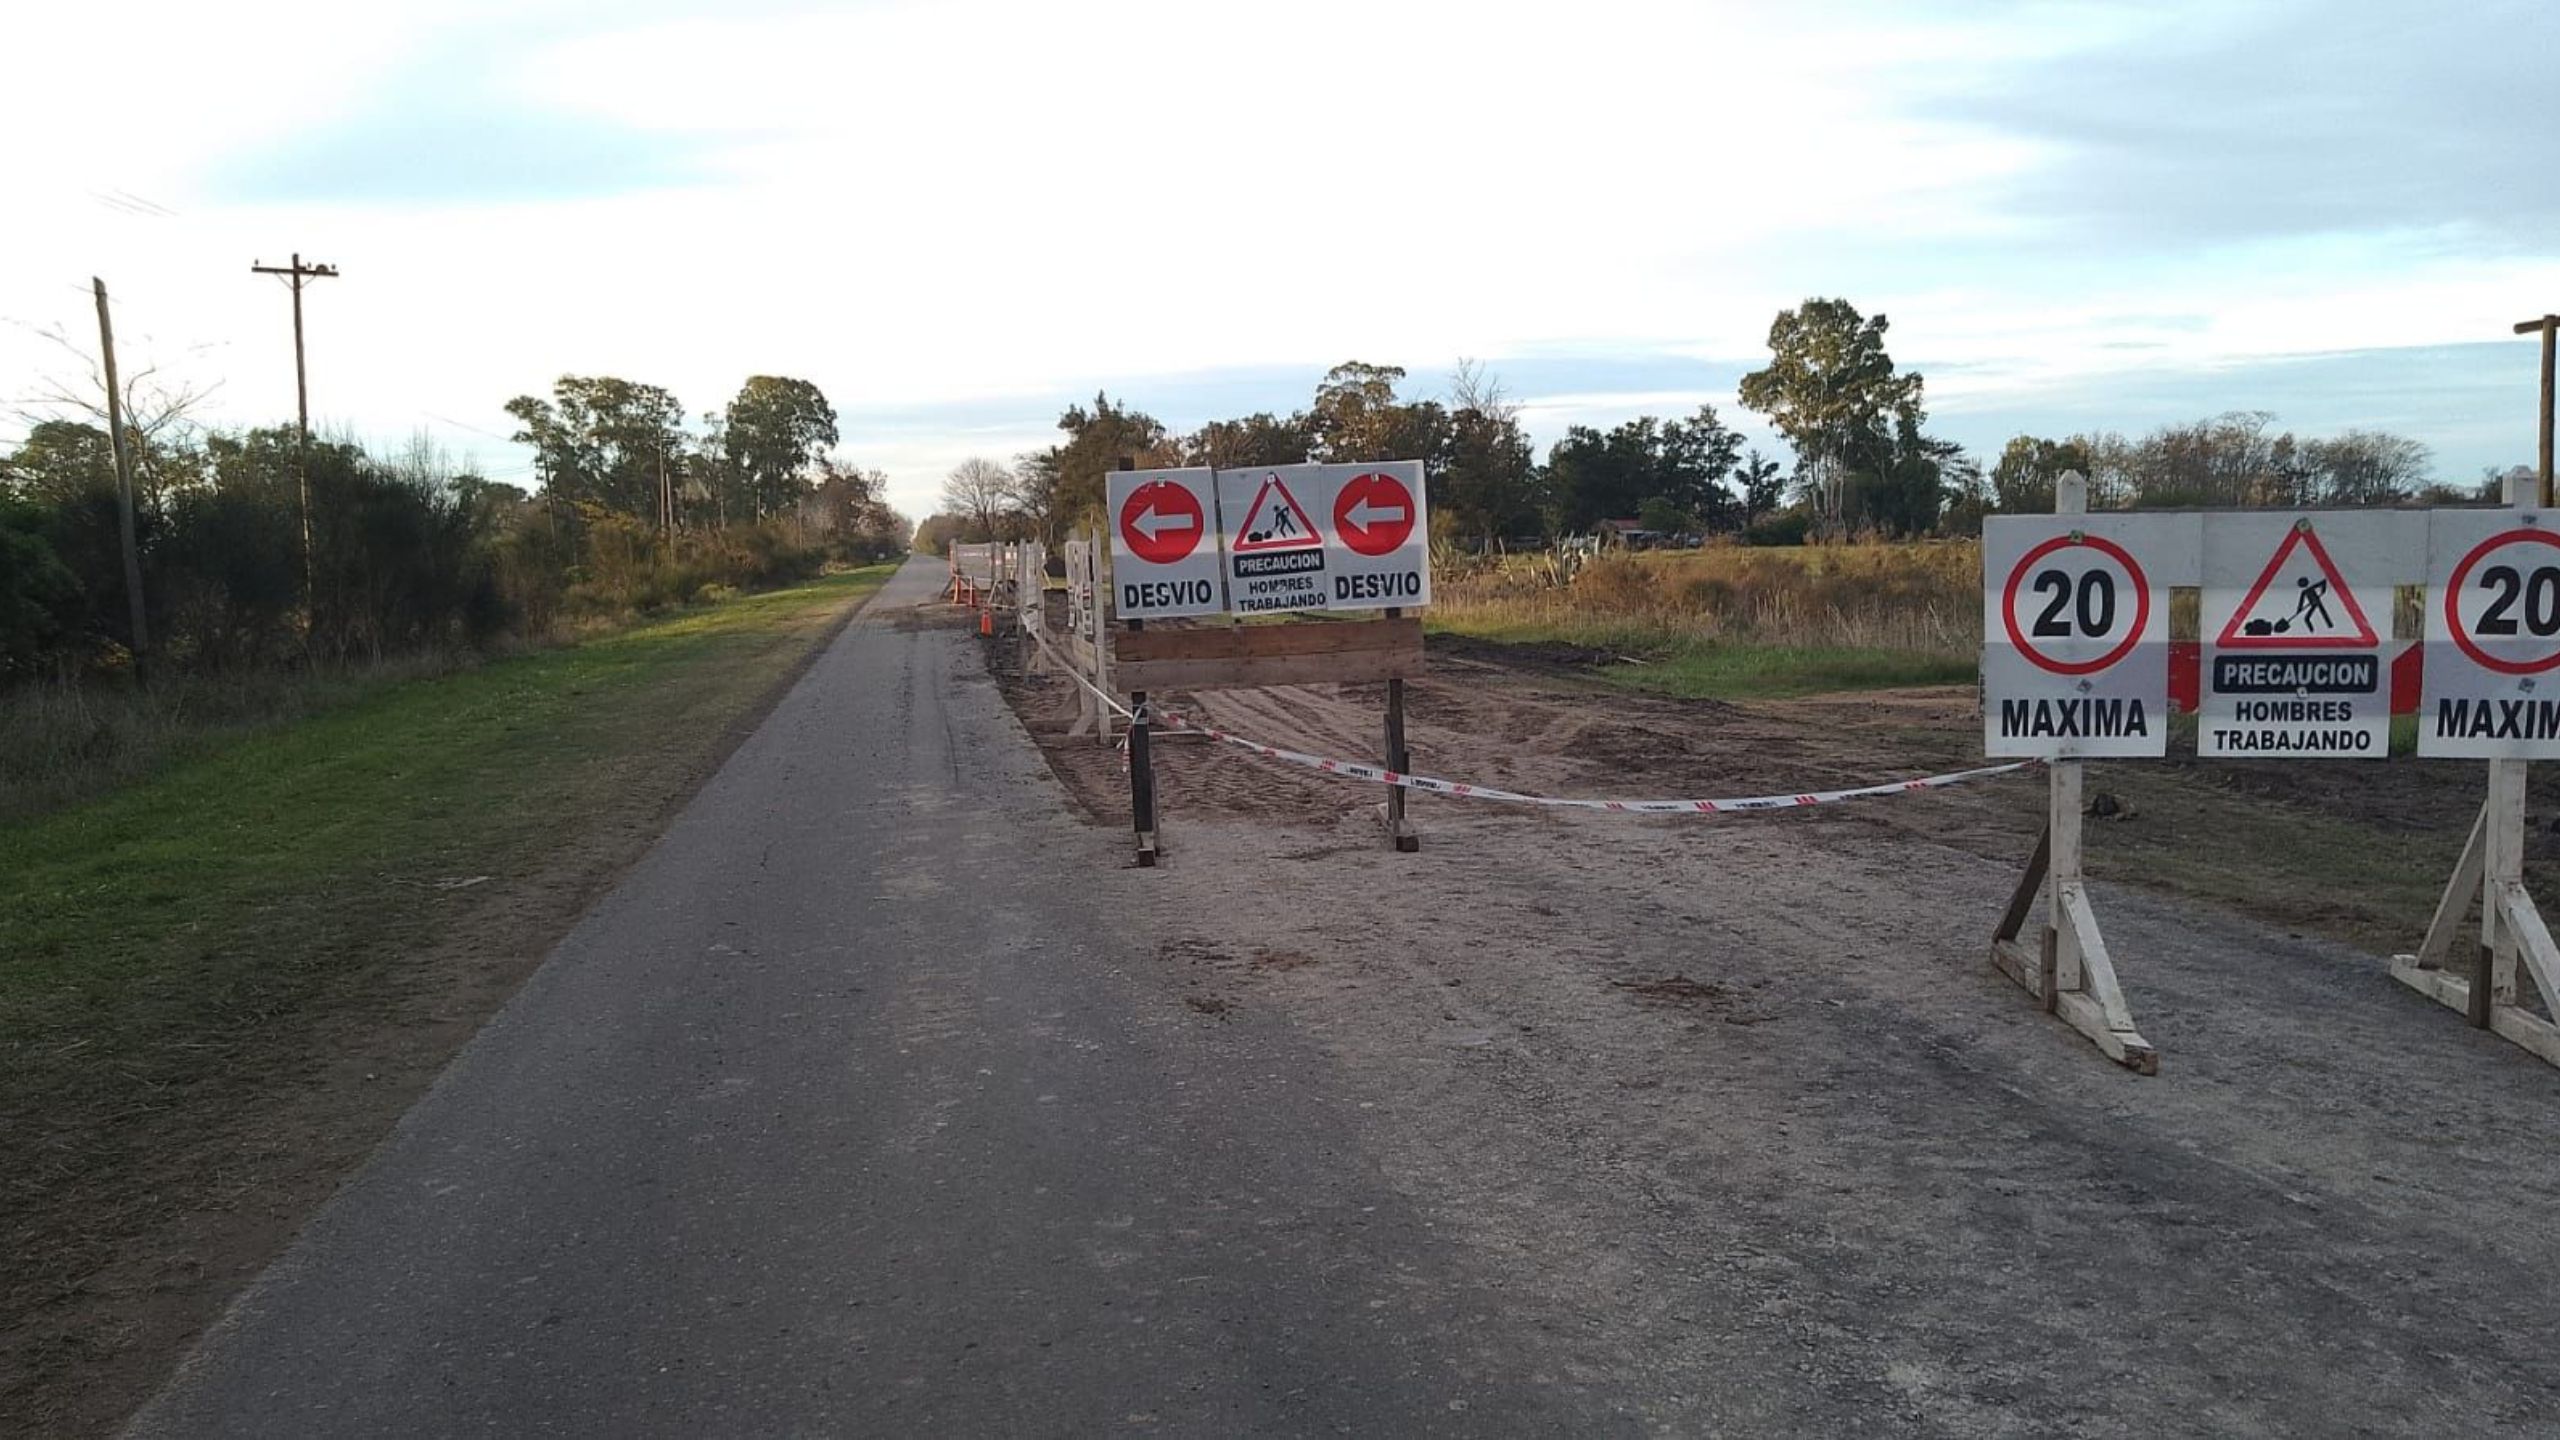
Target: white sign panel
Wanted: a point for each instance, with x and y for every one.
(2493, 635)
(2075, 656)
(2296, 625)
(1164, 544)
(1325, 537)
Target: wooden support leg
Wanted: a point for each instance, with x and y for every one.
(2067, 968)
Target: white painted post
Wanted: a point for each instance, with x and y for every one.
(2063, 798)
(1099, 580)
(2502, 853)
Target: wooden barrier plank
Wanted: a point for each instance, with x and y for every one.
(1255, 642)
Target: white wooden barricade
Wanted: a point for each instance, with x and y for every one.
(1085, 648)
(973, 570)
(2491, 874)
(2064, 962)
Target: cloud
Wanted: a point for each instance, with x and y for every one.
(2233, 122)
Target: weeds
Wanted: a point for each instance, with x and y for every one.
(1919, 598)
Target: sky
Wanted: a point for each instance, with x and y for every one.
(957, 218)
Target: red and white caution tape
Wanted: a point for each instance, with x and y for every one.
(1374, 774)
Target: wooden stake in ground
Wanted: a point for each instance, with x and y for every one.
(296, 273)
(1142, 771)
(124, 480)
(1399, 833)
(2549, 325)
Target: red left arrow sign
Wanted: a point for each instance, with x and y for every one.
(1162, 523)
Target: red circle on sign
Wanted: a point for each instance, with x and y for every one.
(2141, 605)
(2453, 605)
(1162, 523)
(1373, 514)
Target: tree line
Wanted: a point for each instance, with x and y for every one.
(408, 550)
(1861, 458)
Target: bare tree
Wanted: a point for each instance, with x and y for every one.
(983, 491)
(158, 407)
(1475, 387)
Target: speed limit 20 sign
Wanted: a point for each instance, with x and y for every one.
(2493, 635)
(2075, 623)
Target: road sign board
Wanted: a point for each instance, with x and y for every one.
(2076, 627)
(1282, 556)
(2493, 635)
(2298, 608)
(1164, 556)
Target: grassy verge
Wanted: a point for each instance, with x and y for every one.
(168, 953)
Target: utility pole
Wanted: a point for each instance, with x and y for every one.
(296, 273)
(2549, 325)
(124, 481)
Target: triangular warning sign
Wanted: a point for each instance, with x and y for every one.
(1274, 521)
(2300, 602)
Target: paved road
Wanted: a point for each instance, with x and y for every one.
(842, 1115)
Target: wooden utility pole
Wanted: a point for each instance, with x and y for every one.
(295, 274)
(124, 480)
(2549, 325)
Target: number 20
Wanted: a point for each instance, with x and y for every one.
(2541, 601)
(2095, 606)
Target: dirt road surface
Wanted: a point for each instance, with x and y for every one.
(884, 1098)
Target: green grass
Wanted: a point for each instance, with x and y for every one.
(173, 942)
(1777, 672)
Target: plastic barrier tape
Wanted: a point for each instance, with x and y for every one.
(1379, 775)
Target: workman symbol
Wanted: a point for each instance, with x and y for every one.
(2309, 606)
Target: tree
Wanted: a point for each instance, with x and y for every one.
(1831, 388)
(1487, 486)
(159, 410)
(1064, 483)
(937, 531)
(2022, 480)
(1354, 412)
(852, 506)
(1258, 439)
(981, 491)
(2366, 467)
(777, 430)
(58, 460)
(1764, 485)
(1681, 467)
(601, 440)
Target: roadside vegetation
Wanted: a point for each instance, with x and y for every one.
(178, 954)
(221, 617)
(1730, 621)
(1713, 568)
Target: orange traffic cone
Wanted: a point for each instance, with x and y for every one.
(986, 622)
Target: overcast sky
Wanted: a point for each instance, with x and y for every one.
(956, 218)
